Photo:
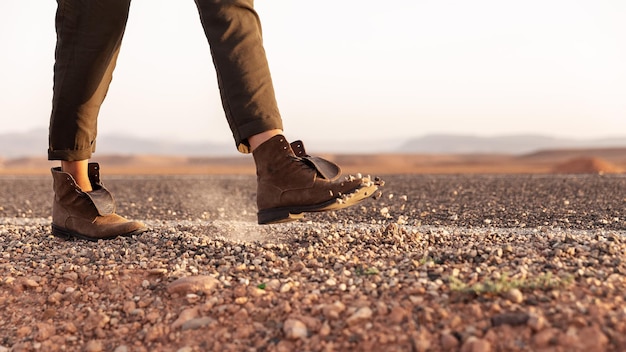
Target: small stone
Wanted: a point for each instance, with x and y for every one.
(192, 298)
(121, 348)
(193, 284)
(297, 266)
(154, 333)
(286, 287)
(381, 308)
(332, 311)
(397, 315)
(295, 329)
(157, 272)
(45, 331)
(55, 298)
(94, 346)
(184, 316)
(536, 322)
(285, 307)
(241, 300)
(71, 276)
(70, 328)
(512, 319)
(240, 291)
(514, 295)
(325, 329)
(474, 344)
(273, 285)
(544, 338)
(129, 306)
(95, 320)
(421, 341)
(361, 315)
(29, 283)
(285, 346)
(449, 342)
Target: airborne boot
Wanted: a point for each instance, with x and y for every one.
(87, 215)
(291, 182)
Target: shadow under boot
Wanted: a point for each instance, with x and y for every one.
(291, 182)
(87, 215)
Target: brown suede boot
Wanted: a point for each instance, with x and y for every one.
(87, 215)
(291, 182)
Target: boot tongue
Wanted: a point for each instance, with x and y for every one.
(325, 168)
(103, 200)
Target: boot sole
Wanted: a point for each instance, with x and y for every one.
(293, 213)
(66, 234)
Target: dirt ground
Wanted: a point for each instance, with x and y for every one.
(448, 262)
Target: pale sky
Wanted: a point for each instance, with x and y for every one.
(350, 69)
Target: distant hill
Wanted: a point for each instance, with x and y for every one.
(573, 161)
(587, 165)
(34, 143)
(514, 144)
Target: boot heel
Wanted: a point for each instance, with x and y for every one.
(61, 233)
(275, 216)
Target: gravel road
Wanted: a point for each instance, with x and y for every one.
(439, 263)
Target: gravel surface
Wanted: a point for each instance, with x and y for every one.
(439, 263)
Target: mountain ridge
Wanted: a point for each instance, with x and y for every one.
(34, 143)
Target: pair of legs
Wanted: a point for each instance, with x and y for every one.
(89, 36)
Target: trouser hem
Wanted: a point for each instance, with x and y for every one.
(69, 155)
(255, 127)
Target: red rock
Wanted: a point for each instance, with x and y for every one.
(193, 284)
(295, 329)
(474, 344)
(449, 342)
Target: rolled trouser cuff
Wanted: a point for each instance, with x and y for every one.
(255, 127)
(70, 155)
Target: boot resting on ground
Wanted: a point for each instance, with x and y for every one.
(87, 215)
(291, 182)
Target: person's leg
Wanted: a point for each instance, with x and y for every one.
(89, 35)
(233, 30)
(289, 182)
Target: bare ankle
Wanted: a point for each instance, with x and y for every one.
(259, 138)
(80, 172)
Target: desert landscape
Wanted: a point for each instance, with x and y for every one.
(559, 161)
(461, 253)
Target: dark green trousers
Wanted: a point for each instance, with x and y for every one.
(89, 35)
